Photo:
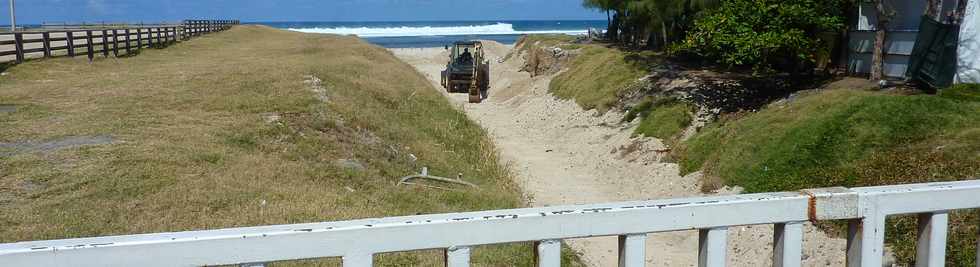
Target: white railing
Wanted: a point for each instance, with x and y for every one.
(357, 241)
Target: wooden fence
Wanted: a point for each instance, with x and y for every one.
(95, 40)
(356, 242)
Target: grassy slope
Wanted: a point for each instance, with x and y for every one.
(842, 138)
(598, 74)
(194, 150)
(851, 138)
(664, 119)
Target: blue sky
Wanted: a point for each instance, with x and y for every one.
(37, 11)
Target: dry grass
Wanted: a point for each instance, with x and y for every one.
(194, 148)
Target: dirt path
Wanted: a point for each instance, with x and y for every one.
(562, 154)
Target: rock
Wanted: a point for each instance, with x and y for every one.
(351, 164)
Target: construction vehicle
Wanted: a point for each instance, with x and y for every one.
(467, 71)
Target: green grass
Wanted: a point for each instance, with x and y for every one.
(598, 75)
(842, 138)
(964, 92)
(849, 138)
(549, 40)
(664, 118)
(194, 150)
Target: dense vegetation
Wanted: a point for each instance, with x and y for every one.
(760, 33)
(755, 33)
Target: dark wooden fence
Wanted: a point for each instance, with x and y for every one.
(94, 40)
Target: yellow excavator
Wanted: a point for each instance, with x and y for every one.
(467, 71)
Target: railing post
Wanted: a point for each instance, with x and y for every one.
(632, 250)
(105, 43)
(458, 257)
(159, 42)
(149, 37)
(128, 44)
(865, 241)
(548, 253)
(115, 43)
(139, 38)
(19, 47)
(930, 249)
(788, 245)
(46, 43)
(359, 260)
(713, 247)
(70, 36)
(88, 45)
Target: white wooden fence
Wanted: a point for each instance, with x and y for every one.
(357, 241)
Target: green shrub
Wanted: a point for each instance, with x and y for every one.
(758, 33)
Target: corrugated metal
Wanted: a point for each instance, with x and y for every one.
(898, 47)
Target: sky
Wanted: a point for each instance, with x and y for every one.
(56, 11)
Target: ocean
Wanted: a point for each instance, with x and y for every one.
(439, 33)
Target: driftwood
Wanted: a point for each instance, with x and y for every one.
(425, 175)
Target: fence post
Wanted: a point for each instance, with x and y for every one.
(46, 43)
(128, 47)
(931, 246)
(458, 257)
(115, 43)
(788, 245)
(159, 43)
(71, 43)
(632, 250)
(105, 43)
(548, 253)
(149, 37)
(713, 247)
(19, 46)
(361, 260)
(865, 241)
(88, 44)
(139, 38)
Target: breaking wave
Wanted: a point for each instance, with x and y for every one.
(493, 29)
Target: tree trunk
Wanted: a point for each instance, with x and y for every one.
(612, 33)
(608, 19)
(878, 55)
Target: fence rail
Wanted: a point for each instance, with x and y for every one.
(357, 241)
(91, 40)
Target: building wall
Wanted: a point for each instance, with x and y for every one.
(902, 32)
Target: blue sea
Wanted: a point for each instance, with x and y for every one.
(439, 33)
